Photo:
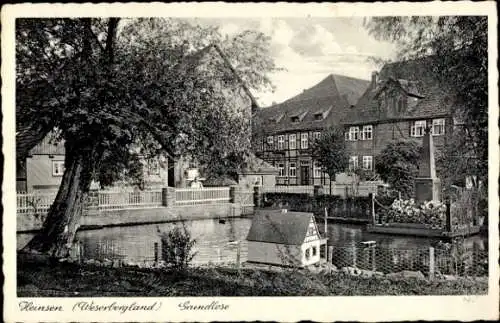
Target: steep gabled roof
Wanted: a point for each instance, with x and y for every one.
(282, 228)
(28, 138)
(255, 165)
(195, 59)
(278, 118)
(428, 98)
(335, 85)
(323, 105)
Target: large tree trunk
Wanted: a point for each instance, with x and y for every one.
(63, 219)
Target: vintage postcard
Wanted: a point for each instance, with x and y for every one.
(250, 161)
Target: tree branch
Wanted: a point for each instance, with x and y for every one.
(112, 24)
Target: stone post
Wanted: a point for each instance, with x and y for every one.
(257, 196)
(232, 194)
(431, 263)
(168, 196)
(448, 224)
(427, 185)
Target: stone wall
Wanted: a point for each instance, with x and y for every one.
(141, 216)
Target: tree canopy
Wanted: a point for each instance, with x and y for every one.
(397, 164)
(457, 51)
(330, 152)
(119, 89)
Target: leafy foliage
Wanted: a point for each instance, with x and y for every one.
(330, 152)
(397, 165)
(456, 48)
(177, 248)
(118, 91)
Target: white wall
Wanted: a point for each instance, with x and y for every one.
(39, 172)
(312, 259)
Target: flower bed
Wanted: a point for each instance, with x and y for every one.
(430, 214)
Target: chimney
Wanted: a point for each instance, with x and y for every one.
(374, 78)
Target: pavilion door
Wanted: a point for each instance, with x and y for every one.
(304, 175)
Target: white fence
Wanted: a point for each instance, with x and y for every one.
(296, 189)
(113, 200)
(209, 195)
(31, 203)
(40, 202)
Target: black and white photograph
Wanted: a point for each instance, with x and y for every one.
(179, 163)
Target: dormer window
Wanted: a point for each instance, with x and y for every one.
(298, 117)
(318, 116)
(277, 118)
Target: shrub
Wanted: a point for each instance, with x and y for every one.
(177, 248)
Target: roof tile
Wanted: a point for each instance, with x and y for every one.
(288, 228)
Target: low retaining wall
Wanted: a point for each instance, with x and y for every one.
(421, 232)
(26, 223)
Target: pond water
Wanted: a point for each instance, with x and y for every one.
(215, 242)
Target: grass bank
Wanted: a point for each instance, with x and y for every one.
(42, 279)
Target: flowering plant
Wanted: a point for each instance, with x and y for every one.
(431, 213)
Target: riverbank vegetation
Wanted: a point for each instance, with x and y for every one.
(37, 278)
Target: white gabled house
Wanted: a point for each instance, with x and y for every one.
(285, 239)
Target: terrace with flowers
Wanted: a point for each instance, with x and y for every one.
(427, 215)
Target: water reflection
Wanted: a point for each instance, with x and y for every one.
(139, 243)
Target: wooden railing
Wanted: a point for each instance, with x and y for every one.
(209, 195)
(34, 203)
(113, 200)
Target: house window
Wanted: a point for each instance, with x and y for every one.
(292, 141)
(353, 133)
(353, 163)
(281, 168)
(367, 133)
(154, 167)
(314, 251)
(437, 127)
(368, 162)
(270, 141)
(57, 167)
(281, 142)
(304, 143)
(418, 128)
(292, 170)
(316, 135)
(318, 116)
(308, 253)
(317, 169)
(346, 135)
(295, 119)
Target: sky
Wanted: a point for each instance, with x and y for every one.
(309, 49)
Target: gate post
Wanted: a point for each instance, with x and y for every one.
(168, 196)
(431, 263)
(257, 196)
